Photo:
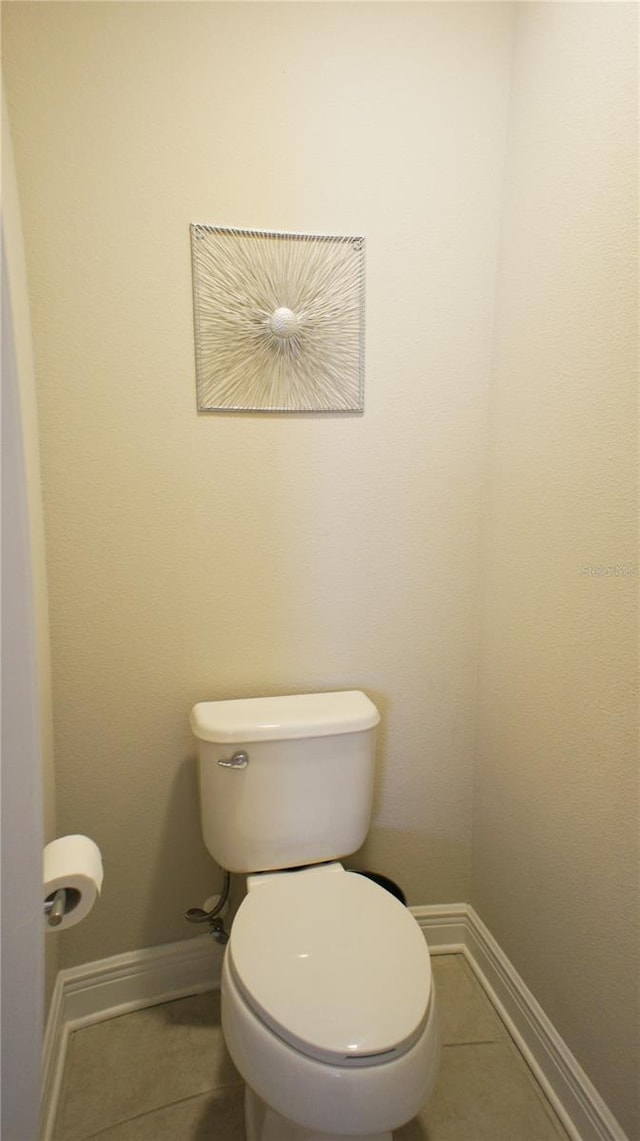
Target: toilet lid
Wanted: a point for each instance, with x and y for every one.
(333, 963)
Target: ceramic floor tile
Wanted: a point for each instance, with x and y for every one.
(214, 1116)
(484, 1093)
(164, 1073)
(141, 1061)
(466, 1015)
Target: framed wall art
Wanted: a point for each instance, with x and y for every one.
(279, 321)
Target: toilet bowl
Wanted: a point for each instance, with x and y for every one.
(328, 1007)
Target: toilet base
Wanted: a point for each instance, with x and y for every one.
(262, 1123)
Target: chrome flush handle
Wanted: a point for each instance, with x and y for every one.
(237, 761)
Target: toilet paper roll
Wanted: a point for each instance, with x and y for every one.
(74, 863)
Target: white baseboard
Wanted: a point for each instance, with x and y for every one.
(110, 987)
(583, 1113)
(54, 1051)
(107, 988)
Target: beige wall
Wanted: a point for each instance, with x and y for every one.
(555, 857)
(200, 557)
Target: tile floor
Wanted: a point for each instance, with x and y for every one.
(163, 1074)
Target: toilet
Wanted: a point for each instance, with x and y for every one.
(328, 1003)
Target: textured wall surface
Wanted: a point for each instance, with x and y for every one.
(195, 557)
(555, 859)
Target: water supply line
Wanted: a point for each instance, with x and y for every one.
(212, 917)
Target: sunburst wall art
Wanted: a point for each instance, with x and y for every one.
(279, 321)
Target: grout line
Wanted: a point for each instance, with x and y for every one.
(157, 1109)
(512, 1042)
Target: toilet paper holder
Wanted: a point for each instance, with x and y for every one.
(57, 905)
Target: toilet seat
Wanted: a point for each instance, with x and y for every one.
(332, 964)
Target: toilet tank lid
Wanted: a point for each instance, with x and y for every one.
(283, 718)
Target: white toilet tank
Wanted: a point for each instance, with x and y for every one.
(299, 792)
